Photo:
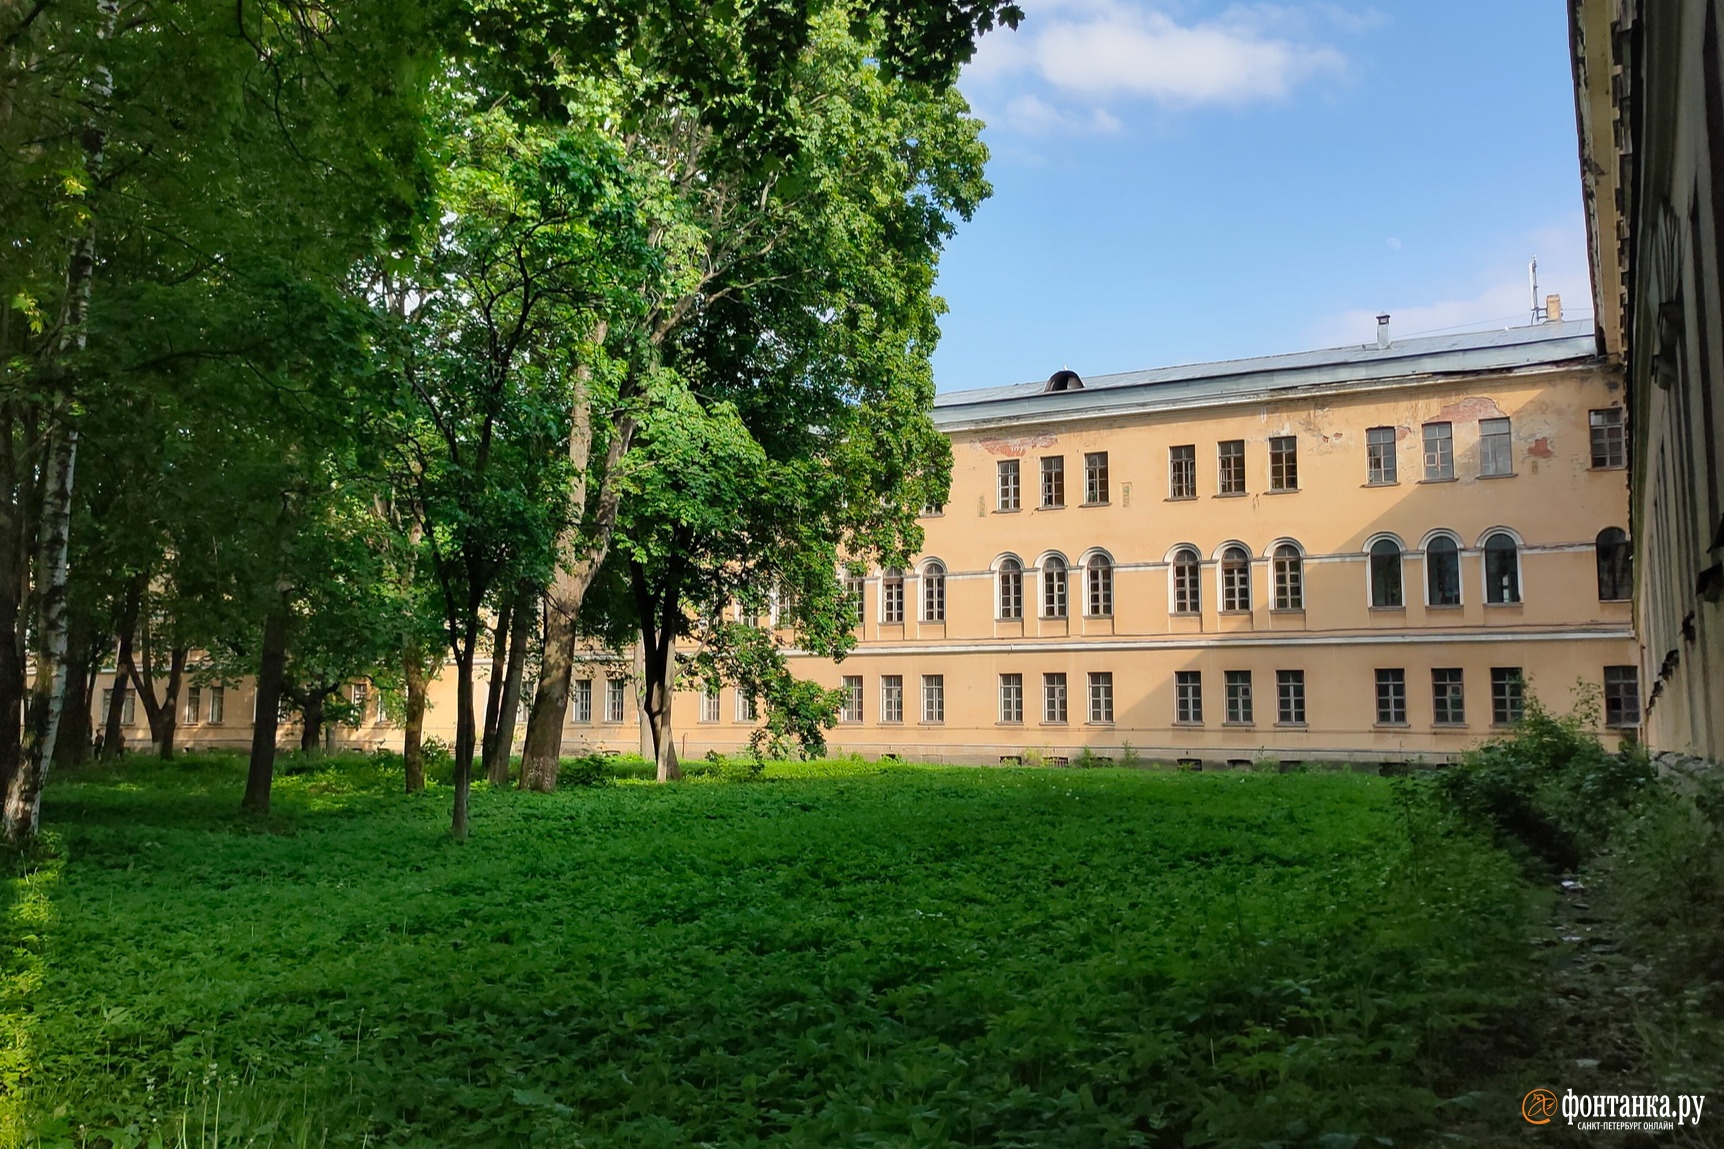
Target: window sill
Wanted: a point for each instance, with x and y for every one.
(1504, 475)
(1051, 507)
(931, 722)
(1282, 491)
(1228, 495)
(1383, 483)
(1015, 723)
(1102, 503)
(1097, 617)
(1388, 609)
(1516, 602)
(1450, 479)
(1185, 613)
(1188, 722)
(1623, 600)
(1007, 510)
(1099, 722)
(1239, 724)
(1448, 725)
(1056, 618)
(1009, 618)
(1389, 725)
(1055, 722)
(1292, 726)
(1609, 467)
(1444, 606)
(1286, 610)
(891, 722)
(1180, 499)
(1240, 613)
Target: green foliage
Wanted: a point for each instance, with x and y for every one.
(1550, 786)
(844, 954)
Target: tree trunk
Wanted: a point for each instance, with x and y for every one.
(500, 650)
(163, 716)
(311, 733)
(72, 747)
(271, 666)
(659, 616)
(113, 728)
(520, 634)
(47, 695)
(413, 733)
(463, 739)
(574, 574)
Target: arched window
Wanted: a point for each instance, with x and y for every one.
(1098, 585)
(934, 593)
(1011, 577)
(1502, 568)
(1289, 578)
(1443, 572)
(1386, 574)
(1187, 588)
(1053, 587)
(1235, 579)
(1615, 565)
(892, 596)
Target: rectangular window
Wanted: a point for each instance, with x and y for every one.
(709, 704)
(1380, 456)
(218, 706)
(1609, 442)
(1230, 467)
(1012, 698)
(1392, 697)
(1508, 695)
(932, 508)
(746, 711)
(1496, 447)
(1101, 696)
(1053, 698)
(1008, 486)
(613, 700)
(933, 698)
(1439, 451)
(1095, 478)
(1239, 696)
(1448, 697)
(1182, 472)
(1290, 697)
(892, 597)
(1621, 696)
(856, 590)
(362, 698)
(892, 698)
(1054, 481)
(194, 706)
(1188, 696)
(581, 701)
(851, 711)
(1284, 463)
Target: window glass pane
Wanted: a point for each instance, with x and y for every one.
(1439, 451)
(934, 593)
(933, 698)
(1621, 696)
(1380, 455)
(1284, 463)
(1507, 695)
(1238, 695)
(1187, 592)
(1095, 477)
(1009, 491)
(1496, 451)
(1188, 696)
(1230, 467)
(1290, 697)
(892, 597)
(1443, 571)
(1182, 472)
(852, 707)
(1386, 575)
(1615, 565)
(1054, 481)
(1099, 599)
(1289, 579)
(1053, 588)
(1054, 697)
(1502, 569)
(1101, 696)
(1448, 698)
(1011, 698)
(1609, 447)
(1011, 589)
(892, 698)
(1392, 696)
(1235, 579)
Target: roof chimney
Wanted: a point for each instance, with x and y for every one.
(1553, 309)
(1382, 333)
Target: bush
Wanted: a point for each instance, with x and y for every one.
(1550, 786)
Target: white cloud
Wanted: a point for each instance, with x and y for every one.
(1034, 116)
(1394, 243)
(1503, 299)
(1093, 52)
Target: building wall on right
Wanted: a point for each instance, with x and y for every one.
(1649, 99)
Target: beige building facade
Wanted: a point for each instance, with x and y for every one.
(1365, 554)
(1649, 88)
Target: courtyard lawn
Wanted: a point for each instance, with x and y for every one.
(840, 954)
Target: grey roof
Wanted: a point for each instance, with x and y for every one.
(1242, 380)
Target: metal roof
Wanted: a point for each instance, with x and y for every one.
(1238, 380)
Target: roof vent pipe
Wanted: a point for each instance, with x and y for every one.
(1382, 333)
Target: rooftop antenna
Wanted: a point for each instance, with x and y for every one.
(1538, 311)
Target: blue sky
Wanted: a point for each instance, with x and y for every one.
(1181, 181)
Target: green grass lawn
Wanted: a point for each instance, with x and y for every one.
(836, 955)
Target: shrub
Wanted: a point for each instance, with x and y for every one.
(1550, 786)
(585, 770)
